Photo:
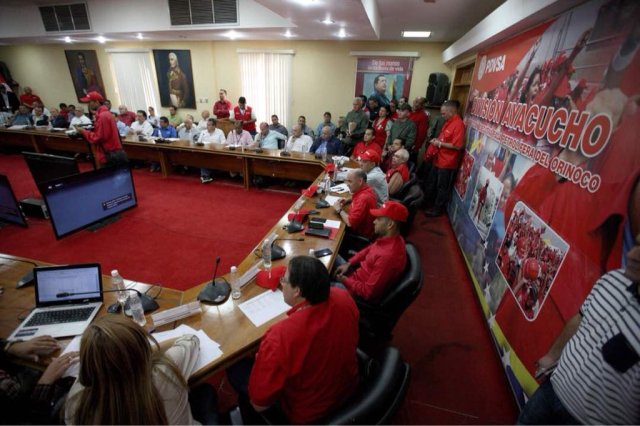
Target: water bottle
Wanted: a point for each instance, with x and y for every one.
(266, 254)
(137, 313)
(118, 284)
(235, 284)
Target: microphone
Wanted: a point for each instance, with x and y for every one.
(285, 152)
(148, 303)
(217, 291)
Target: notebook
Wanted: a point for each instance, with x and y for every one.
(67, 299)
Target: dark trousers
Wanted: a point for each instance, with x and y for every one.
(115, 158)
(437, 187)
(204, 403)
(544, 407)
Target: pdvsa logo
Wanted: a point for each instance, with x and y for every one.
(494, 64)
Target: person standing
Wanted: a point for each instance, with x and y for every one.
(222, 107)
(244, 113)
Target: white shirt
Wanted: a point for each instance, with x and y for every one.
(144, 129)
(301, 144)
(202, 125)
(79, 121)
(191, 134)
(216, 137)
(153, 120)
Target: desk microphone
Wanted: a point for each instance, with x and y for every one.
(217, 291)
(285, 152)
(148, 303)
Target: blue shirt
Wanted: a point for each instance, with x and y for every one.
(22, 119)
(271, 140)
(322, 125)
(166, 132)
(123, 129)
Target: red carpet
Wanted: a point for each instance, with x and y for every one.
(179, 227)
(171, 238)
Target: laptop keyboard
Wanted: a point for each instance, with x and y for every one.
(60, 317)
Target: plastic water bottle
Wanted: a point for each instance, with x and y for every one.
(266, 254)
(235, 284)
(118, 284)
(137, 312)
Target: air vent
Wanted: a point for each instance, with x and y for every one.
(65, 17)
(203, 12)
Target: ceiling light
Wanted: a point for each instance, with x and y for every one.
(288, 34)
(307, 2)
(231, 34)
(101, 39)
(342, 33)
(328, 21)
(139, 36)
(67, 39)
(416, 34)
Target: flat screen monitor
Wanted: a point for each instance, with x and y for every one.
(9, 208)
(48, 167)
(77, 201)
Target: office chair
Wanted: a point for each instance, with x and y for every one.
(413, 200)
(402, 192)
(377, 320)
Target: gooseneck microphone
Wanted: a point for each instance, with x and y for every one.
(148, 303)
(217, 291)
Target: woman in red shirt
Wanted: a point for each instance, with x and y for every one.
(382, 125)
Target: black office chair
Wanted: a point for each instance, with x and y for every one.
(377, 320)
(383, 384)
(413, 200)
(402, 192)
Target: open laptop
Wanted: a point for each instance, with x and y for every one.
(67, 299)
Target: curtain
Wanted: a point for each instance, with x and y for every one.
(135, 80)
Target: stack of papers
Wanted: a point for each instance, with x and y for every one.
(264, 307)
(209, 349)
(340, 189)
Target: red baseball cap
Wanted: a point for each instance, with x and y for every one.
(271, 281)
(310, 191)
(92, 96)
(393, 210)
(369, 155)
(330, 168)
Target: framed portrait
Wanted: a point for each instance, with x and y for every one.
(175, 77)
(85, 72)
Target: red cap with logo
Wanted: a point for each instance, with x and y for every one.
(393, 210)
(370, 155)
(92, 96)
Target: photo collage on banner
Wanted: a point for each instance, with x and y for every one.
(546, 199)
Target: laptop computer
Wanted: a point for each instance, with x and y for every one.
(67, 299)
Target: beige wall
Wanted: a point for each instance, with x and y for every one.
(323, 71)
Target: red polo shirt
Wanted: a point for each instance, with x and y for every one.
(378, 266)
(104, 134)
(222, 109)
(127, 118)
(452, 132)
(308, 361)
(360, 218)
(402, 169)
(362, 146)
(421, 120)
(29, 99)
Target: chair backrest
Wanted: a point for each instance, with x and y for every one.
(413, 192)
(382, 389)
(402, 192)
(413, 201)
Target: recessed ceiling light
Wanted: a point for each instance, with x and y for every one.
(342, 33)
(101, 39)
(67, 39)
(231, 34)
(416, 34)
(328, 21)
(307, 2)
(139, 36)
(288, 34)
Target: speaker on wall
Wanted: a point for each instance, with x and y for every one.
(437, 89)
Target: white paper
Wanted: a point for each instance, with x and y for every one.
(18, 127)
(332, 224)
(331, 199)
(264, 307)
(340, 189)
(74, 345)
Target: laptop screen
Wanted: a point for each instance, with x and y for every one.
(58, 285)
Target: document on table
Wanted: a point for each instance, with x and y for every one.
(332, 223)
(264, 307)
(331, 199)
(340, 189)
(209, 349)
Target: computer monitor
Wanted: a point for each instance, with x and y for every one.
(9, 208)
(77, 201)
(48, 167)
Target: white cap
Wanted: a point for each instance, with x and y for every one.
(114, 273)
(234, 269)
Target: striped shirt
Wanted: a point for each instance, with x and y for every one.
(589, 386)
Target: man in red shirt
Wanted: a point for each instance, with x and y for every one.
(371, 271)
(421, 119)
(450, 143)
(398, 174)
(28, 99)
(222, 108)
(126, 116)
(363, 199)
(304, 367)
(245, 114)
(367, 143)
(105, 132)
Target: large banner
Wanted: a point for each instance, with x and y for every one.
(547, 198)
(384, 78)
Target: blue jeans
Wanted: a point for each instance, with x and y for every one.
(544, 407)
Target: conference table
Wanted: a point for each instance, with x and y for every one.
(226, 324)
(247, 162)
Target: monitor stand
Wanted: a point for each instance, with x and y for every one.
(101, 224)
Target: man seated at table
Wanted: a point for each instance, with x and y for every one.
(141, 126)
(238, 136)
(304, 369)
(363, 199)
(367, 143)
(211, 134)
(38, 117)
(370, 272)
(58, 120)
(398, 174)
(268, 139)
(368, 162)
(326, 143)
(123, 128)
(22, 117)
(79, 119)
(298, 142)
(126, 116)
(165, 130)
(202, 124)
(188, 131)
(275, 125)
